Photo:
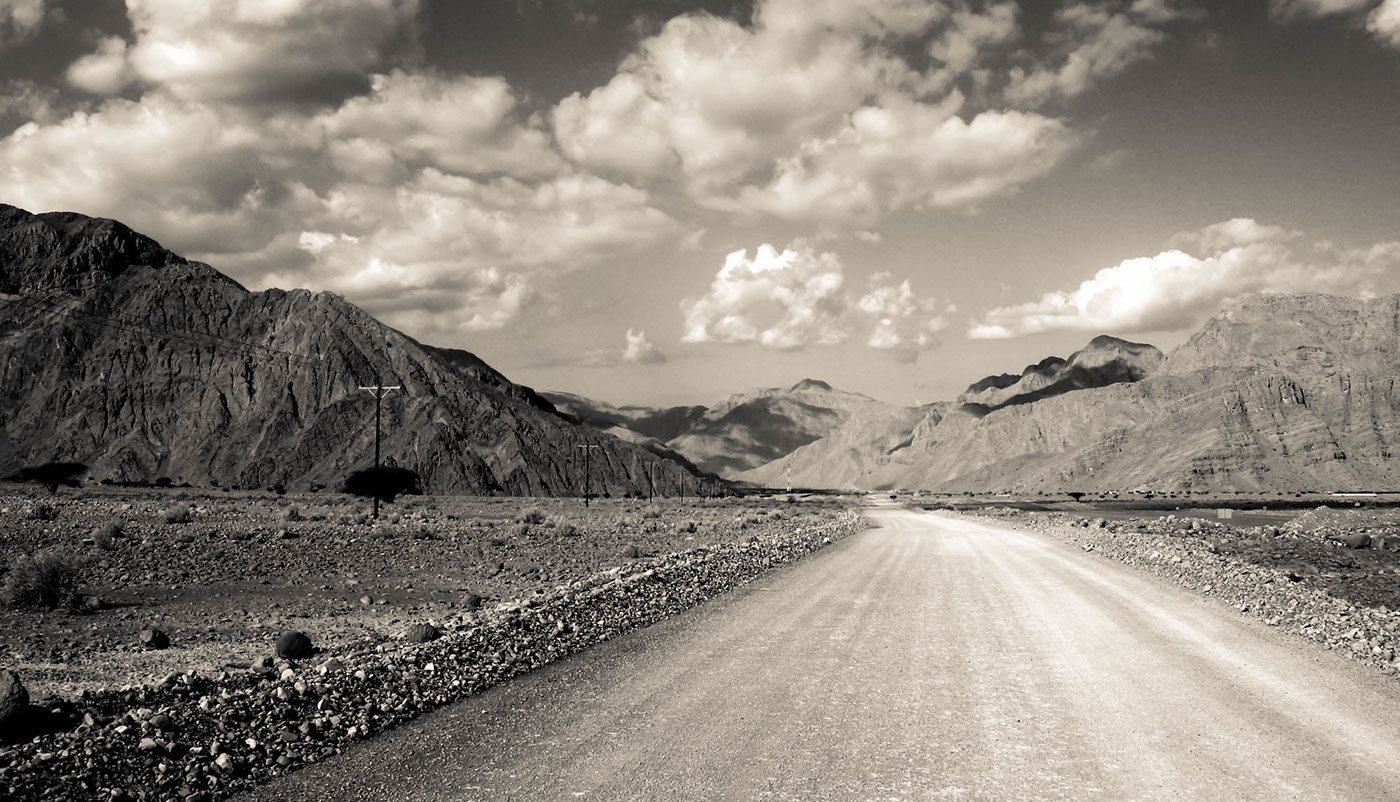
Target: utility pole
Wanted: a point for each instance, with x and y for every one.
(587, 470)
(379, 390)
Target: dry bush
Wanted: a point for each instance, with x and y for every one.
(290, 515)
(47, 579)
(43, 512)
(178, 514)
(534, 515)
(104, 536)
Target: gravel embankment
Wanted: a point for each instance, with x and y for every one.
(1292, 596)
(202, 737)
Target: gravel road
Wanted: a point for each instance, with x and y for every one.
(928, 658)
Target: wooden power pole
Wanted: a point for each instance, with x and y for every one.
(587, 470)
(379, 390)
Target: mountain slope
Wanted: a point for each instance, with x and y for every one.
(140, 363)
(757, 427)
(659, 424)
(1278, 392)
(1104, 361)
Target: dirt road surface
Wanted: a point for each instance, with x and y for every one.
(929, 658)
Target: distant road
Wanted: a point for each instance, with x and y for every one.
(931, 658)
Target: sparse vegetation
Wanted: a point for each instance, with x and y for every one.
(43, 512)
(48, 579)
(178, 514)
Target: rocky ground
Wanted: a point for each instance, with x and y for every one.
(1331, 576)
(508, 584)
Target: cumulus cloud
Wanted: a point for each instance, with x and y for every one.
(251, 50)
(428, 200)
(810, 113)
(20, 20)
(797, 297)
(903, 323)
(641, 350)
(1175, 289)
(1099, 42)
(1384, 22)
(910, 155)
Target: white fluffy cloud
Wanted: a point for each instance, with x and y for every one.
(1175, 289)
(428, 200)
(797, 297)
(641, 350)
(19, 20)
(903, 323)
(910, 155)
(251, 50)
(810, 114)
(1384, 22)
(779, 299)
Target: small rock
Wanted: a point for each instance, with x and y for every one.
(154, 639)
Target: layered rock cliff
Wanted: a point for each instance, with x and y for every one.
(119, 354)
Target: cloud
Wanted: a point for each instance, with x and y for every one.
(252, 50)
(1098, 43)
(910, 155)
(640, 350)
(429, 200)
(811, 113)
(903, 324)
(795, 298)
(1286, 10)
(1175, 290)
(1384, 22)
(785, 300)
(20, 20)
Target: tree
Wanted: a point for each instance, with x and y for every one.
(52, 475)
(385, 483)
(1076, 495)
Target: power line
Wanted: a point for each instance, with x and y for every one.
(379, 390)
(587, 469)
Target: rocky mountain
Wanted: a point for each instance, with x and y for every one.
(1104, 361)
(659, 424)
(1278, 392)
(754, 428)
(140, 363)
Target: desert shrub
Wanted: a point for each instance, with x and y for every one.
(567, 529)
(522, 529)
(178, 514)
(689, 526)
(104, 536)
(423, 532)
(534, 515)
(47, 579)
(43, 512)
(290, 515)
(52, 475)
(652, 514)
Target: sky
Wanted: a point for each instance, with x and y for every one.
(670, 201)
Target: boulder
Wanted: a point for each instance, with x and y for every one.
(294, 646)
(422, 633)
(13, 698)
(154, 639)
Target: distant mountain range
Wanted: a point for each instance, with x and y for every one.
(142, 364)
(1277, 392)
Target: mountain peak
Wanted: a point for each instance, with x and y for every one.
(811, 384)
